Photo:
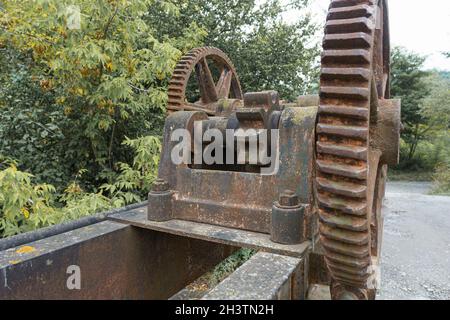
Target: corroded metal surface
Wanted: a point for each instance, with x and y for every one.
(211, 233)
(354, 77)
(197, 60)
(288, 217)
(385, 134)
(114, 261)
(239, 196)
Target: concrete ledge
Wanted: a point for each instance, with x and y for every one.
(264, 277)
(47, 232)
(24, 253)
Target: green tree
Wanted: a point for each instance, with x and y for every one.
(435, 108)
(107, 76)
(409, 82)
(268, 52)
(33, 128)
(26, 205)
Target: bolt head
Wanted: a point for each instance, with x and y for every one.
(160, 185)
(288, 198)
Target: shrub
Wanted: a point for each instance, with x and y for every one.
(26, 205)
(72, 94)
(442, 180)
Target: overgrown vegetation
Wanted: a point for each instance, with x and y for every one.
(82, 106)
(425, 145)
(26, 205)
(221, 271)
(74, 93)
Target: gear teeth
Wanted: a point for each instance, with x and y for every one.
(343, 140)
(352, 262)
(356, 56)
(361, 10)
(357, 40)
(354, 112)
(343, 188)
(350, 279)
(180, 70)
(346, 249)
(174, 87)
(344, 236)
(344, 170)
(344, 221)
(183, 71)
(341, 150)
(355, 132)
(358, 93)
(361, 24)
(357, 275)
(359, 74)
(351, 207)
(349, 3)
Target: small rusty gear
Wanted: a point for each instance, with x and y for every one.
(227, 86)
(349, 175)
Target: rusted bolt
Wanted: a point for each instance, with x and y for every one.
(288, 198)
(160, 185)
(288, 219)
(160, 202)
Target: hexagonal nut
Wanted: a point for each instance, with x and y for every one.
(288, 198)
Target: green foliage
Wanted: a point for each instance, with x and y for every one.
(425, 95)
(229, 265)
(441, 177)
(134, 181)
(26, 206)
(435, 108)
(84, 89)
(33, 129)
(442, 180)
(444, 74)
(410, 175)
(409, 82)
(268, 52)
(431, 144)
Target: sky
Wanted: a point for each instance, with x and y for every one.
(418, 25)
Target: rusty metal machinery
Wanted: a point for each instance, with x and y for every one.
(327, 173)
(354, 141)
(197, 61)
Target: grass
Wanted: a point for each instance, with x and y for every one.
(397, 175)
(212, 278)
(440, 179)
(439, 192)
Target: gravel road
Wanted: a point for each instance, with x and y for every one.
(416, 244)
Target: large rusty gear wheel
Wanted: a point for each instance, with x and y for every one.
(227, 86)
(350, 177)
